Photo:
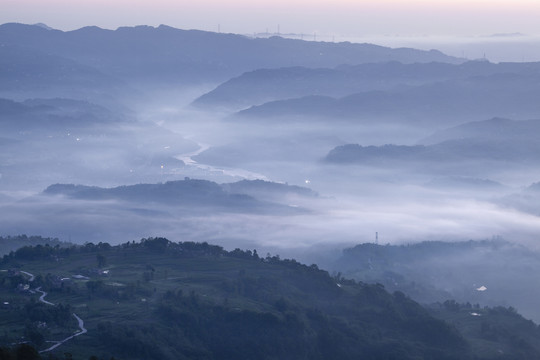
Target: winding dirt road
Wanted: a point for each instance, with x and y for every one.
(79, 320)
(80, 332)
(42, 297)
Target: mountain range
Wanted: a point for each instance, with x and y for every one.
(168, 55)
(497, 139)
(432, 104)
(265, 85)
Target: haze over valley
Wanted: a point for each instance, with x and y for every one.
(415, 145)
(378, 164)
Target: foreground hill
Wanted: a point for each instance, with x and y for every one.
(12, 243)
(162, 300)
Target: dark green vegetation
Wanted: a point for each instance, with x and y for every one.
(156, 299)
(19, 352)
(495, 333)
(12, 243)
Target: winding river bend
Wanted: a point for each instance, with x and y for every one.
(187, 158)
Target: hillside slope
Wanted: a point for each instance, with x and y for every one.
(162, 300)
(156, 299)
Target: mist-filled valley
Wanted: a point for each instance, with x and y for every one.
(301, 149)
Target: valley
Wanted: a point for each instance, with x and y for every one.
(407, 178)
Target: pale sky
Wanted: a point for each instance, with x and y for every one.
(341, 18)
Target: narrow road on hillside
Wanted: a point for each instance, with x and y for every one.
(42, 297)
(80, 332)
(32, 277)
(79, 320)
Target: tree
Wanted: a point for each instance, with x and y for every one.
(27, 352)
(101, 260)
(94, 285)
(33, 334)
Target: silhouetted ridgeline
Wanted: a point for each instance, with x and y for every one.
(12, 243)
(54, 114)
(239, 196)
(265, 85)
(491, 140)
(145, 53)
(267, 189)
(527, 199)
(436, 103)
(27, 66)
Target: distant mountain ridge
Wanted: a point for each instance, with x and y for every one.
(145, 53)
(255, 195)
(447, 102)
(490, 140)
(494, 129)
(30, 72)
(36, 65)
(10, 108)
(526, 200)
(53, 113)
(447, 151)
(264, 85)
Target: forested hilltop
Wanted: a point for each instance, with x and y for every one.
(156, 299)
(12, 243)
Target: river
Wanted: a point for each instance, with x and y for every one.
(187, 158)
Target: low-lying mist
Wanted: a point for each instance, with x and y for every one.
(387, 166)
(504, 47)
(166, 140)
